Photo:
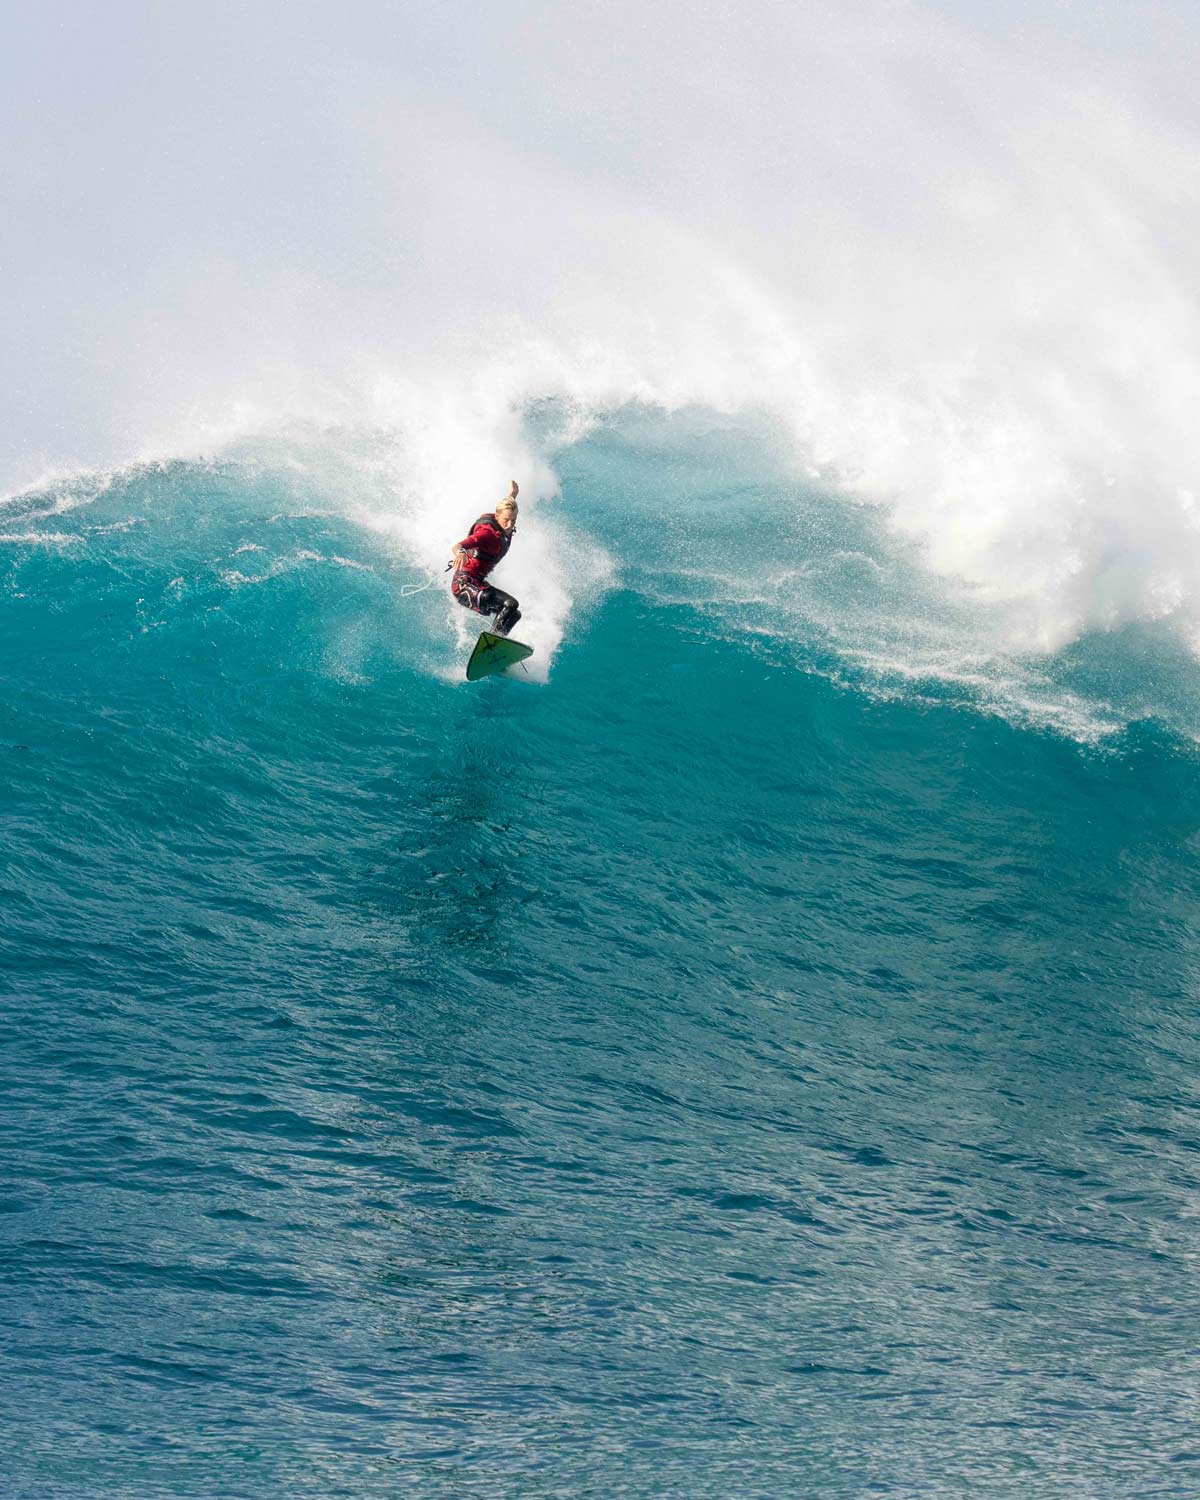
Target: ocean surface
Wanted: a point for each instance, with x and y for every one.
(755, 1053)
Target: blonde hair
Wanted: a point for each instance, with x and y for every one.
(508, 503)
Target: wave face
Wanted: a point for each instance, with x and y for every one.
(747, 1058)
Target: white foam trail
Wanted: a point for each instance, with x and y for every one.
(38, 538)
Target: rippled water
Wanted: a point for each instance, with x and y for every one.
(727, 1068)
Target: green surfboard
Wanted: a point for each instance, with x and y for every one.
(493, 653)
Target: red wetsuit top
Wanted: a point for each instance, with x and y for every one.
(486, 545)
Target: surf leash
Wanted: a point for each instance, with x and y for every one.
(419, 588)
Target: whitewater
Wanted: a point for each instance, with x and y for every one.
(754, 1051)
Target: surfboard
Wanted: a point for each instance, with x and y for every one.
(493, 653)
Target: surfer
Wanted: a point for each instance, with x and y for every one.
(475, 557)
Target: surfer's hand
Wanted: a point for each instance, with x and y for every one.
(515, 491)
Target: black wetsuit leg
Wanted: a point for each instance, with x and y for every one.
(486, 599)
(507, 611)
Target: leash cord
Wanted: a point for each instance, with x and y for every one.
(419, 588)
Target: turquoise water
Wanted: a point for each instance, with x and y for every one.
(752, 1061)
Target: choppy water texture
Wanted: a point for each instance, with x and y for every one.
(752, 1062)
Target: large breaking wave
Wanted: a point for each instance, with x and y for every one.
(947, 271)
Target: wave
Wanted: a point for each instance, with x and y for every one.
(697, 514)
(416, 1005)
(955, 273)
